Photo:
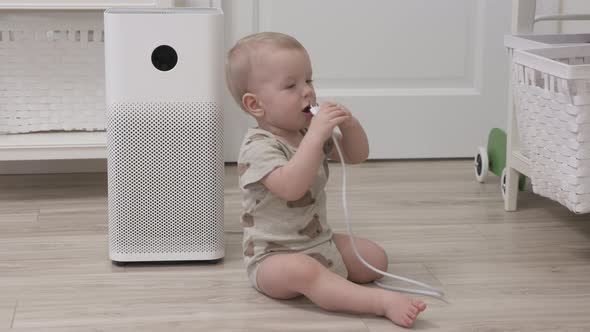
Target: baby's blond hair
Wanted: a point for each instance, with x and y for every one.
(238, 66)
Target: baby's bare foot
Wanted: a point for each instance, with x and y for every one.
(402, 310)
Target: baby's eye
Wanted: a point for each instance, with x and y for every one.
(290, 86)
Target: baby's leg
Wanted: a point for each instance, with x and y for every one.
(369, 250)
(373, 254)
(285, 276)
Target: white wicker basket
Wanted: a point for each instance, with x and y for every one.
(52, 71)
(552, 98)
(528, 42)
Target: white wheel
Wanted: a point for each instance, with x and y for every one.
(503, 184)
(481, 164)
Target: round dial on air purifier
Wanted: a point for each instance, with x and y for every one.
(164, 58)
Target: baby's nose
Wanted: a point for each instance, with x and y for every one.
(309, 93)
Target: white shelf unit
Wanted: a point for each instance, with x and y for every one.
(53, 146)
(62, 145)
(523, 21)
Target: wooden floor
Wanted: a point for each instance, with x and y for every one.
(522, 271)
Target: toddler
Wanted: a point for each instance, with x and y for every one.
(289, 248)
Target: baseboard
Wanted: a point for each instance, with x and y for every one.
(53, 166)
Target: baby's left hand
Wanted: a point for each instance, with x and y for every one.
(349, 122)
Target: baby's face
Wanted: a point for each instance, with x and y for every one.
(283, 84)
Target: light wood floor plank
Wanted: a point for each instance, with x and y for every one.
(6, 312)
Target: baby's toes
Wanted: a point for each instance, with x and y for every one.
(419, 305)
(408, 322)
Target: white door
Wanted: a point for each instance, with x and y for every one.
(427, 79)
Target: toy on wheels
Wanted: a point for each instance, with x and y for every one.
(493, 159)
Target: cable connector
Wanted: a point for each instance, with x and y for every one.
(314, 109)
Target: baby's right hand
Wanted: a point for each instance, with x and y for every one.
(322, 124)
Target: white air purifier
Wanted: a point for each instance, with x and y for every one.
(164, 133)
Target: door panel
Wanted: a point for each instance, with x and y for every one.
(428, 79)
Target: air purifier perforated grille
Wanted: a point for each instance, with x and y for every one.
(165, 179)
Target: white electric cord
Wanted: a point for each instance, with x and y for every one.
(431, 291)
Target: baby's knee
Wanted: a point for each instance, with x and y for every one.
(302, 269)
(381, 259)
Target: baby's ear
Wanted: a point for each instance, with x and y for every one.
(250, 102)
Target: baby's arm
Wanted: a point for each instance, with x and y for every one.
(353, 143)
(292, 180)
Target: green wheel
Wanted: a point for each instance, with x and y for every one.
(493, 160)
(497, 150)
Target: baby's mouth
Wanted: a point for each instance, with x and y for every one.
(307, 109)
